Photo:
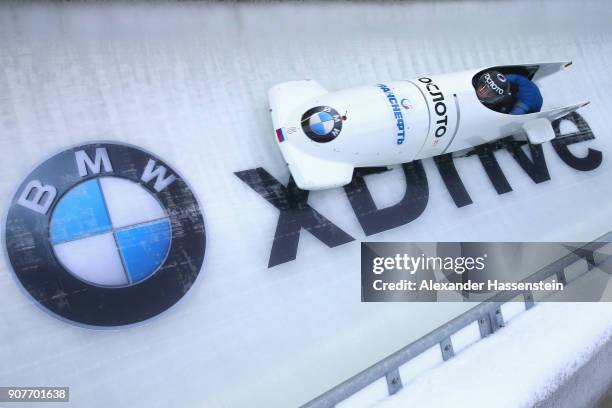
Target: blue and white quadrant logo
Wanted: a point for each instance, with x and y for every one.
(101, 237)
(321, 124)
(105, 234)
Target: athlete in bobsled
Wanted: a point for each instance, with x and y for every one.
(323, 136)
(512, 93)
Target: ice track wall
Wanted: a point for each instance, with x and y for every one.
(188, 82)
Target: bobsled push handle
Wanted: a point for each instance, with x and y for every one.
(539, 131)
(548, 68)
(286, 97)
(313, 173)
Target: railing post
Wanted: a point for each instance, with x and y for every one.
(528, 297)
(561, 276)
(590, 258)
(394, 381)
(484, 324)
(496, 318)
(446, 346)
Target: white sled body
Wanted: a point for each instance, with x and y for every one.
(324, 135)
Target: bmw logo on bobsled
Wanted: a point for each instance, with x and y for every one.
(321, 124)
(408, 120)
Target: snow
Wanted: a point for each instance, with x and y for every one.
(465, 337)
(369, 395)
(187, 81)
(421, 363)
(519, 365)
(512, 309)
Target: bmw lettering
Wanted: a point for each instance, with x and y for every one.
(105, 234)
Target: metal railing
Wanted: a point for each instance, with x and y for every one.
(487, 314)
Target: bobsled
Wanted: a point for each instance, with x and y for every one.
(323, 136)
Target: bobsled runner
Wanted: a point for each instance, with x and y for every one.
(323, 136)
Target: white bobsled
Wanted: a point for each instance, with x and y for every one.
(324, 135)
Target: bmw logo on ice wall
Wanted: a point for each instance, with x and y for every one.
(105, 234)
(321, 124)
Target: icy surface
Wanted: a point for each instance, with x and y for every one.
(369, 395)
(517, 366)
(188, 82)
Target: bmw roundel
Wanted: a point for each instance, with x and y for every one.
(322, 124)
(105, 234)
